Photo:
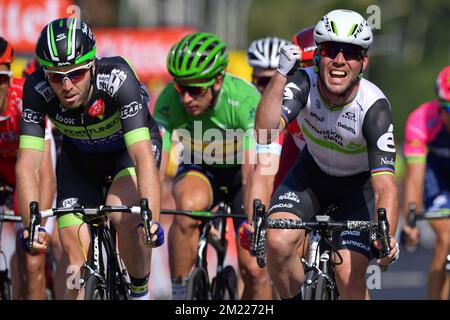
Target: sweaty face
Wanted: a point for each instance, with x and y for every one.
(4, 86)
(71, 84)
(339, 69)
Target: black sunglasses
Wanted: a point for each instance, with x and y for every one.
(350, 51)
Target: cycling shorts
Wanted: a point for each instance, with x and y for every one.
(225, 185)
(307, 191)
(82, 178)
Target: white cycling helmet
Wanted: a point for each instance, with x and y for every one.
(265, 52)
(344, 26)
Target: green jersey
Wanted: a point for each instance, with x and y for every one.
(218, 136)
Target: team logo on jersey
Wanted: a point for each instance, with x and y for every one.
(130, 110)
(97, 109)
(111, 83)
(29, 115)
(65, 120)
(44, 90)
(291, 196)
(288, 93)
(70, 202)
(350, 116)
(386, 141)
(387, 161)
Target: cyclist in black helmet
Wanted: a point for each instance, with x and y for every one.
(101, 109)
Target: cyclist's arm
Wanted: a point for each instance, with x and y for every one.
(137, 137)
(378, 132)
(415, 154)
(47, 179)
(280, 104)
(263, 178)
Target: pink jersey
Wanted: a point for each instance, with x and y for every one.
(423, 127)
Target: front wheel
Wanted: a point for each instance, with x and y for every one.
(198, 285)
(225, 284)
(94, 290)
(325, 290)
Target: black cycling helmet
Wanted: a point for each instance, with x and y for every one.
(65, 42)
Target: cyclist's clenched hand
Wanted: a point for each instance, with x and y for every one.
(156, 232)
(393, 255)
(245, 235)
(41, 243)
(290, 57)
(410, 236)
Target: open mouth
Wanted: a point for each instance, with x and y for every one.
(337, 74)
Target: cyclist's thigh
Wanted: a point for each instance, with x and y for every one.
(359, 204)
(295, 193)
(192, 188)
(437, 196)
(227, 187)
(77, 185)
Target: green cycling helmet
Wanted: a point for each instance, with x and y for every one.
(199, 56)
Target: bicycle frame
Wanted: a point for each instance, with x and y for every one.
(220, 245)
(102, 239)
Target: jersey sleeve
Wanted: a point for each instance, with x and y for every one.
(416, 137)
(378, 131)
(132, 99)
(32, 124)
(295, 96)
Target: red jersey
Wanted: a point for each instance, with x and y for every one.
(10, 120)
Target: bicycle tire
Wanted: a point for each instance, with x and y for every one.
(308, 286)
(198, 285)
(227, 280)
(93, 290)
(324, 290)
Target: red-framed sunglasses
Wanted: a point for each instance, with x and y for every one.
(74, 75)
(194, 92)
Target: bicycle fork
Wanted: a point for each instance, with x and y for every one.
(95, 265)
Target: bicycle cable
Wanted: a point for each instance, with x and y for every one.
(80, 243)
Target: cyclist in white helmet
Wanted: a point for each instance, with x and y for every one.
(263, 56)
(349, 157)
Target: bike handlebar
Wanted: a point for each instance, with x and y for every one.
(10, 218)
(414, 216)
(203, 215)
(36, 216)
(261, 221)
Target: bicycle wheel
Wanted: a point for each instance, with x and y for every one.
(225, 285)
(308, 286)
(324, 289)
(198, 286)
(94, 290)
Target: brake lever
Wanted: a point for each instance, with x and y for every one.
(35, 222)
(146, 218)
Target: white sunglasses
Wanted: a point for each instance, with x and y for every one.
(75, 75)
